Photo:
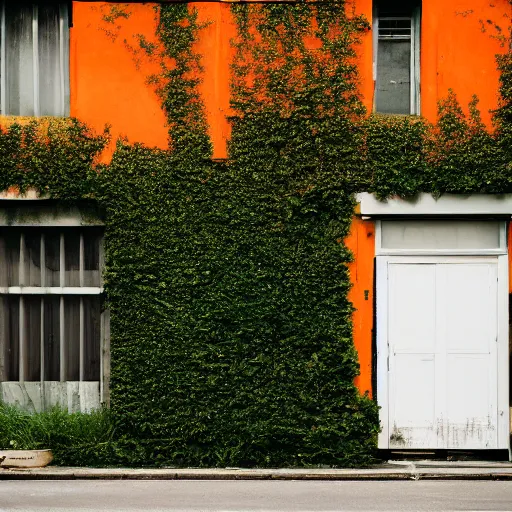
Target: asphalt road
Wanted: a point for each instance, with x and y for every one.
(254, 495)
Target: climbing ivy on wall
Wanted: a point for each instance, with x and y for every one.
(405, 156)
(57, 157)
(227, 282)
(231, 327)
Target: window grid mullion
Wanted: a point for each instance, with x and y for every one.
(21, 269)
(62, 262)
(62, 275)
(35, 56)
(82, 325)
(42, 258)
(22, 340)
(82, 340)
(82, 260)
(42, 341)
(42, 266)
(62, 347)
(101, 260)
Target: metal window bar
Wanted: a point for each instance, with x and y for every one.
(42, 265)
(22, 340)
(62, 291)
(395, 28)
(62, 324)
(82, 315)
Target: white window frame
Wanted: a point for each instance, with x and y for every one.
(383, 251)
(63, 60)
(415, 104)
(76, 395)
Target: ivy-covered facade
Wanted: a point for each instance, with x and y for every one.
(252, 299)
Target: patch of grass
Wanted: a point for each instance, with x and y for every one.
(77, 439)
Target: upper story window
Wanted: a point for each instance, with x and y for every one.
(34, 58)
(397, 56)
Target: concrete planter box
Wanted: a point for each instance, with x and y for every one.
(25, 458)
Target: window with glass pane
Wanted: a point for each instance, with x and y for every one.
(397, 57)
(50, 304)
(34, 58)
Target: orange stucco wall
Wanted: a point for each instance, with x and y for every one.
(361, 241)
(108, 75)
(215, 46)
(458, 47)
(109, 85)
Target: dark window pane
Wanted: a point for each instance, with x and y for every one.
(9, 257)
(396, 7)
(52, 258)
(72, 250)
(32, 257)
(32, 335)
(51, 338)
(92, 259)
(92, 316)
(72, 337)
(394, 77)
(9, 318)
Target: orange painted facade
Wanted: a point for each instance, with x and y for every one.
(109, 85)
(361, 241)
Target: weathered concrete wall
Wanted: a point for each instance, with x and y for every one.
(38, 396)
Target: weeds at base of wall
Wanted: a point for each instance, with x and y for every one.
(76, 439)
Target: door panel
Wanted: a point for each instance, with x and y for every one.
(471, 412)
(412, 304)
(413, 408)
(442, 346)
(467, 312)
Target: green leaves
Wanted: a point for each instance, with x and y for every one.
(55, 156)
(407, 155)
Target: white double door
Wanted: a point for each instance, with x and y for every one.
(438, 324)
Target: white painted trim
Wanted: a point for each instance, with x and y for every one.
(382, 262)
(381, 265)
(30, 194)
(447, 204)
(375, 34)
(503, 422)
(502, 250)
(50, 290)
(445, 259)
(45, 215)
(441, 252)
(378, 237)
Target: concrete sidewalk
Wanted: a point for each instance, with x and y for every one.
(392, 470)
